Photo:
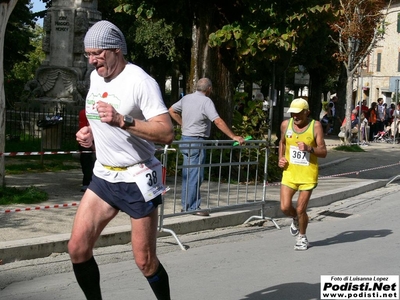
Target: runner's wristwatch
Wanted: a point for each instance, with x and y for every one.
(128, 120)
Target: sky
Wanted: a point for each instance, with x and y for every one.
(38, 6)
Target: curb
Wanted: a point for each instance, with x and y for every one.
(44, 246)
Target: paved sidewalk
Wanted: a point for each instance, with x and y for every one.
(38, 233)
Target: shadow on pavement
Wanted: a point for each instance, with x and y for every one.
(287, 291)
(352, 236)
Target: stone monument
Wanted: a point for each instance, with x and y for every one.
(63, 76)
(62, 81)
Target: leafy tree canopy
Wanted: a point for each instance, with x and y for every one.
(18, 34)
(268, 29)
(22, 49)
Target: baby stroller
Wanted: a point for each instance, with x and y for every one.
(383, 136)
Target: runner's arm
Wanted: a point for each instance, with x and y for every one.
(282, 162)
(320, 150)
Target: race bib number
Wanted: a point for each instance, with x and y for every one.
(148, 177)
(298, 157)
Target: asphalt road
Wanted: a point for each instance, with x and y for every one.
(379, 161)
(357, 236)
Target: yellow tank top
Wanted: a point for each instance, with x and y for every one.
(303, 166)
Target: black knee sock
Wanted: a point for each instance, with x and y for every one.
(88, 276)
(159, 283)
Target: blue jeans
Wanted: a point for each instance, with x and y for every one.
(192, 177)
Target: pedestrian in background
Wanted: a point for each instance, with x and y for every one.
(331, 114)
(395, 125)
(389, 114)
(372, 121)
(127, 115)
(195, 112)
(364, 107)
(301, 143)
(381, 115)
(87, 156)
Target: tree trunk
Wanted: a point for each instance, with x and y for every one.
(349, 101)
(248, 88)
(314, 100)
(195, 57)
(342, 96)
(175, 95)
(5, 12)
(207, 62)
(278, 110)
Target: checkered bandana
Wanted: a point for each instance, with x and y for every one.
(105, 35)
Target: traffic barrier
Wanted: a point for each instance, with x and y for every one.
(233, 178)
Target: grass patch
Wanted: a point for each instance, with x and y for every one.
(30, 195)
(22, 143)
(15, 165)
(349, 148)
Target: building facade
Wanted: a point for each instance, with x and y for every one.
(380, 74)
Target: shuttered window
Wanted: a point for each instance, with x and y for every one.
(378, 62)
(398, 23)
(398, 63)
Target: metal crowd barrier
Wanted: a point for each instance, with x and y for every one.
(235, 177)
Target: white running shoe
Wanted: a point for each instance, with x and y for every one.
(294, 227)
(301, 243)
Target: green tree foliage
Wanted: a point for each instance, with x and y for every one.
(265, 29)
(249, 119)
(156, 38)
(267, 40)
(154, 29)
(181, 17)
(22, 50)
(18, 34)
(25, 69)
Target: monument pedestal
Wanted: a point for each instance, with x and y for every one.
(64, 74)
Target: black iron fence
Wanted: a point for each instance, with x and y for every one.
(43, 128)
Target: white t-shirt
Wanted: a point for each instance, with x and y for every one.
(133, 92)
(381, 111)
